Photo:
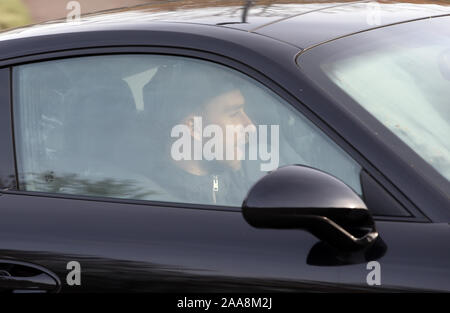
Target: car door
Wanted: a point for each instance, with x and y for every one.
(98, 202)
(73, 206)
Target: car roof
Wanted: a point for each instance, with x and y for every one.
(300, 24)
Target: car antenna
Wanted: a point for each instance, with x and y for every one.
(247, 6)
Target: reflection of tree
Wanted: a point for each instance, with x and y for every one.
(72, 183)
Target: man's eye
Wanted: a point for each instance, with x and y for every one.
(234, 114)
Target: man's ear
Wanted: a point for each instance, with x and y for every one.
(190, 123)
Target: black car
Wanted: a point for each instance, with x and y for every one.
(116, 173)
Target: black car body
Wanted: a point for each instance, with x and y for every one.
(146, 246)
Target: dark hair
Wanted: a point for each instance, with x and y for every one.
(178, 90)
(183, 88)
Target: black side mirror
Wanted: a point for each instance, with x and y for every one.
(301, 197)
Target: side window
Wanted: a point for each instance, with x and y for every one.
(160, 128)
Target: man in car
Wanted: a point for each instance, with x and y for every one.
(200, 96)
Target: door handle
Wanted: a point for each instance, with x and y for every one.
(22, 277)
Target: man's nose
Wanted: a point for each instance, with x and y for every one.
(246, 122)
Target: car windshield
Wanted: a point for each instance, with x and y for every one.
(403, 80)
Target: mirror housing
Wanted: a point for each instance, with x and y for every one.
(300, 197)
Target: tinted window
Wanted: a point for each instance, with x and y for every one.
(158, 128)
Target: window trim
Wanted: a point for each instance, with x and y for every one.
(7, 161)
(416, 214)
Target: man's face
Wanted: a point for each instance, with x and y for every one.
(228, 109)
